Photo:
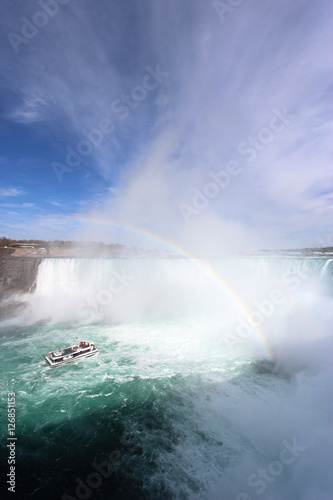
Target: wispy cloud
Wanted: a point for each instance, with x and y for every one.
(47, 226)
(31, 110)
(11, 191)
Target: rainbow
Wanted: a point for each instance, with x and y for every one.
(205, 269)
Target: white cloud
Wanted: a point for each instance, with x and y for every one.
(10, 191)
(31, 110)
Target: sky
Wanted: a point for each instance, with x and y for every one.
(207, 124)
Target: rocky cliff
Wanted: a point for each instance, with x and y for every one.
(18, 273)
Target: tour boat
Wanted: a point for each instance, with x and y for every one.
(68, 354)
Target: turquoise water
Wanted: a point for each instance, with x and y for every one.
(169, 406)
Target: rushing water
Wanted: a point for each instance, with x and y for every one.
(212, 381)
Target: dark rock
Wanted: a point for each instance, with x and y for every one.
(18, 274)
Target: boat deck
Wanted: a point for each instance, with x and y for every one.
(70, 353)
(67, 350)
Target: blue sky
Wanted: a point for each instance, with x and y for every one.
(150, 101)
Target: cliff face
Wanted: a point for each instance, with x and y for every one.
(18, 273)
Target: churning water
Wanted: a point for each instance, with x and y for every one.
(212, 381)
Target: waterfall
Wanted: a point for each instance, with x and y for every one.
(127, 288)
(325, 270)
(74, 275)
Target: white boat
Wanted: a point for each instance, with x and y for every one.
(72, 353)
